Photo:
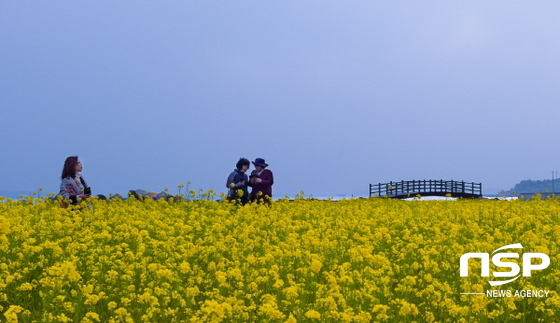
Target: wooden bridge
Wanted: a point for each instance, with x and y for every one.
(406, 189)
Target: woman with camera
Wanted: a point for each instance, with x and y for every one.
(73, 187)
(237, 181)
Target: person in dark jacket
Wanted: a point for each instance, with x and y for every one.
(237, 182)
(261, 181)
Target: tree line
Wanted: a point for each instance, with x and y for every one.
(534, 186)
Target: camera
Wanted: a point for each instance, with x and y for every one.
(87, 190)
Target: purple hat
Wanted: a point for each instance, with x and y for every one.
(260, 162)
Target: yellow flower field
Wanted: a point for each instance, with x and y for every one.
(359, 260)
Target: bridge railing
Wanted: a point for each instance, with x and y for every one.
(425, 187)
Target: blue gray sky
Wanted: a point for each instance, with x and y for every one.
(333, 94)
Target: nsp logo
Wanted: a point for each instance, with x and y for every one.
(497, 261)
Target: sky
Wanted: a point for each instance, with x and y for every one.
(334, 95)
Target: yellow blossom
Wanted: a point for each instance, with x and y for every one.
(313, 315)
(316, 265)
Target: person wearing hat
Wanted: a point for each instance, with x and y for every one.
(261, 181)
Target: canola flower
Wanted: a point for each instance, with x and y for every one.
(361, 260)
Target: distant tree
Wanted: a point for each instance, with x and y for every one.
(534, 186)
